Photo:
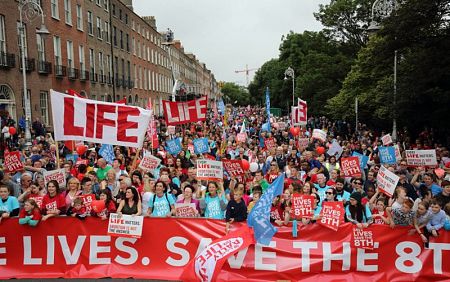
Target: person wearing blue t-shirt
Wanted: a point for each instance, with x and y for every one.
(321, 187)
(428, 183)
(214, 202)
(9, 205)
(357, 213)
(341, 195)
(160, 204)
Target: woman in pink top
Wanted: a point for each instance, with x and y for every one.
(187, 198)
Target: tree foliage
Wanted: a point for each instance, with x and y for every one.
(235, 93)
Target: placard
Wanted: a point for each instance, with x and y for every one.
(12, 162)
(362, 238)
(38, 200)
(125, 225)
(332, 215)
(201, 145)
(270, 143)
(209, 170)
(233, 167)
(387, 155)
(350, 166)
(171, 129)
(281, 125)
(241, 137)
(387, 139)
(398, 155)
(149, 163)
(303, 143)
(185, 210)
(302, 206)
(59, 175)
(319, 134)
(335, 150)
(87, 201)
(363, 159)
(421, 157)
(387, 181)
(173, 146)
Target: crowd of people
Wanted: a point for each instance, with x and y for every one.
(421, 199)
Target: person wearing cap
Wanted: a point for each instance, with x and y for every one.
(357, 213)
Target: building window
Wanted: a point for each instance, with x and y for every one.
(106, 4)
(127, 42)
(81, 58)
(68, 12)
(133, 45)
(121, 39)
(43, 102)
(57, 50)
(109, 65)
(79, 17)
(90, 23)
(133, 27)
(19, 41)
(40, 47)
(54, 9)
(98, 3)
(115, 36)
(120, 14)
(139, 48)
(99, 29)
(70, 63)
(135, 77)
(114, 9)
(101, 63)
(107, 32)
(126, 19)
(92, 61)
(2, 34)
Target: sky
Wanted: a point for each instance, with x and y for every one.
(227, 35)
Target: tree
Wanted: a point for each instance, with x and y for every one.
(235, 93)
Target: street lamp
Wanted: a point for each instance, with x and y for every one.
(382, 9)
(30, 10)
(290, 72)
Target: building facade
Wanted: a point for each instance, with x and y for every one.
(100, 48)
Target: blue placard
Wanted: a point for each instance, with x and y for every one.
(173, 146)
(107, 152)
(387, 155)
(201, 145)
(363, 159)
(72, 157)
(221, 107)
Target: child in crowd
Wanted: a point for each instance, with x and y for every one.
(30, 214)
(379, 213)
(110, 206)
(77, 210)
(236, 210)
(402, 216)
(436, 222)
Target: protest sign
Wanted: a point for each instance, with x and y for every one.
(12, 162)
(59, 175)
(185, 210)
(87, 201)
(398, 155)
(332, 215)
(362, 238)
(173, 146)
(233, 167)
(125, 225)
(387, 181)
(191, 149)
(335, 150)
(363, 159)
(303, 143)
(241, 137)
(201, 145)
(319, 134)
(281, 125)
(421, 157)
(149, 162)
(387, 155)
(72, 157)
(209, 170)
(351, 166)
(38, 200)
(302, 206)
(107, 152)
(270, 143)
(386, 139)
(171, 129)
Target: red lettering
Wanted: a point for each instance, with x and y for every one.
(102, 121)
(124, 124)
(90, 120)
(69, 118)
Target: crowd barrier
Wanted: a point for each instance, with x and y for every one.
(70, 248)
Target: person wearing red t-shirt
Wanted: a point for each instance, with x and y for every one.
(273, 173)
(379, 213)
(54, 202)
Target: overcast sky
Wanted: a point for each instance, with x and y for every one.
(228, 34)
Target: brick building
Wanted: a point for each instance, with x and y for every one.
(99, 48)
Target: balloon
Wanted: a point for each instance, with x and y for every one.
(98, 205)
(320, 150)
(245, 164)
(265, 127)
(12, 130)
(81, 149)
(253, 167)
(294, 131)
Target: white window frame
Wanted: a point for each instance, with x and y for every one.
(2, 34)
(57, 50)
(70, 59)
(79, 17)
(101, 63)
(81, 58)
(91, 61)
(106, 30)
(25, 41)
(68, 12)
(90, 19)
(54, 9)
(43, 103)
(99, 28)
(40, 43)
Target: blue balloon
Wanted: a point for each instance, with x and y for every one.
(265, 127)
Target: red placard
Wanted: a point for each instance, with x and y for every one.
(270, 143)
(233, 167)
(66, 247)
(87, 201)
(185, 112)
(302, 206)
(332, 215)
(12, 162)
(351, 166)
(241, 137)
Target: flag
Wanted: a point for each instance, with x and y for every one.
(107, 152)
(151, 129)
(243, 127)
(221, 107)
(72, 92)
(259, 217)
(207, 264)
(123, 101)
(268, 106)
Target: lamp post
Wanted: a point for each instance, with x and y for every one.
(382, 9)
(290, 72)
(29, 10)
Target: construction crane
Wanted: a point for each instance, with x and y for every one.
(247, 71)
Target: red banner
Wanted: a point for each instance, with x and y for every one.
(69, 248)
(185, 112)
